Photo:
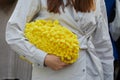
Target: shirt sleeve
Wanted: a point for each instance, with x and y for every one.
(25, 10)
(103, 9)
(103, 46)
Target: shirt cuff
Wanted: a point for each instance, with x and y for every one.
(39, 58)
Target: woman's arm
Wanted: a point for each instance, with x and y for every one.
(103, 45)
(25, 10)
(104, 48)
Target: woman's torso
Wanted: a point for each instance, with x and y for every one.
(83, 25)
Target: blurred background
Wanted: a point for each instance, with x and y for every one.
(11, 66)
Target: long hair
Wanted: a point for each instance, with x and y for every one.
(79, 5)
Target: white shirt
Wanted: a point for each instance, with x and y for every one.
(96, 56)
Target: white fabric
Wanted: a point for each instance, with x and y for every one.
(115, 25)
(103, 9)
(96, 56)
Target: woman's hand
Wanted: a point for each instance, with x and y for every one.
(54, 62)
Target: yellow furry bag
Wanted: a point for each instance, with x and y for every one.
(53, 38)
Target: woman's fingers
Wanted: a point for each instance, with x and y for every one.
(54, 62)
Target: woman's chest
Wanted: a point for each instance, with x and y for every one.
(76, 21)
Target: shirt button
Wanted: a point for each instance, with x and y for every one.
(38, 64)
(83, 70)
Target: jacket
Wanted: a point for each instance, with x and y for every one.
(96, 56)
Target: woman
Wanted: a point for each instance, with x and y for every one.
(85, 19)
